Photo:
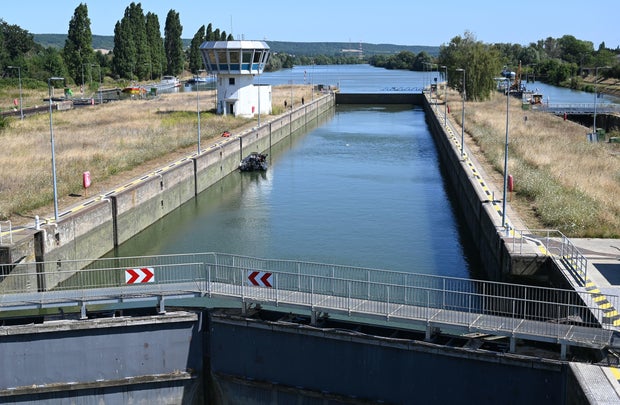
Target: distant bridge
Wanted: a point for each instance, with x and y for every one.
(578, 109)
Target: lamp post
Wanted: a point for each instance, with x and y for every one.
(505, 158)
(49, 87)
(258, 73)
(198, 107)
(100, 95)
(445, 101)
(436, 88)
(596, 94)
(19, 75)
(462, 112)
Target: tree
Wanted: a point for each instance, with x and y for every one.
(137, 22)
(156, 45)
(195, 58)
(482, 63)
(134, 44)
(78, 50)
(14, 43)
(573, 49)
(124, 58)
(173, 44)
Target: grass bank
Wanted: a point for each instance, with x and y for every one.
(561, 181)
(115, 142)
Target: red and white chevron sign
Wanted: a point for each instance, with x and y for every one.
(141, 275)
(259, 278)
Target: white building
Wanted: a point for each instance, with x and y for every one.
(236, 63)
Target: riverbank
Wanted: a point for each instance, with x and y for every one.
(115, 142)
(609, 86)
(561, 180)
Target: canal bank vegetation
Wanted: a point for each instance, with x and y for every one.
(562, 181)
(565, 61)
(115, 142)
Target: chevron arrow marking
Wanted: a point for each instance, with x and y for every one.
(259, 278)
(141, 275)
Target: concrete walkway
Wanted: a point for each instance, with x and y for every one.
(602, 274)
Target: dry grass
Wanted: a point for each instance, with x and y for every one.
(115, 142)
(561, 180)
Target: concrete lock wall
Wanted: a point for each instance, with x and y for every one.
(331, 363)
(478, 213)
(93, 230)
(151, 359)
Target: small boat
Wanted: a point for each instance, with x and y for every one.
(199, 80)
(169, 82)
(254, 162)
(133, 90)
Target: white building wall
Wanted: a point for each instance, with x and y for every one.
(241, 97)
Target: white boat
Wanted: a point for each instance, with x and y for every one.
(169, 82)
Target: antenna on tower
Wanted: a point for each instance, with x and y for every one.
(231, 26)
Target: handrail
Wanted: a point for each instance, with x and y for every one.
(291, 275)
(7, 224)
(559, 247)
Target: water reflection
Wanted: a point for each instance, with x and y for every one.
(363, 189)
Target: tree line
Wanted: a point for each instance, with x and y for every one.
(139, 53)
(558, 61)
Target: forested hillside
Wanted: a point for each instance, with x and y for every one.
(293, 48)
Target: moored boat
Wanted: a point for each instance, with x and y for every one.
(133, 90)
(169, 82)
(254, 162)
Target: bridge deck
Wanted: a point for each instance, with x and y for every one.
(425, 315)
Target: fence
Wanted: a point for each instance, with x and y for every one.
(381, 287)
(559, 247)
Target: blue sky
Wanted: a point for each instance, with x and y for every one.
(402, 22)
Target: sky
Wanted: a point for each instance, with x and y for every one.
(400, 22)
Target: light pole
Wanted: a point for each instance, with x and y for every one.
(505, 159)
(49, 87)
(100, 95)
(463, 112)
(198, 107)
(19, 74)
(436, 88)
(258, 73)
(445, 101)
(596, 95)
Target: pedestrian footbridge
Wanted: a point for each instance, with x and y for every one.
(565, 317)
(579, 108)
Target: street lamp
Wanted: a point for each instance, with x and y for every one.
(91, 76)
(462, 112)
(198, 107)
(505, 158)
(445, 101)
(19, 74)
(49, 87)
(100, 95)
(596, 94)
(436, 88)
(258, 99)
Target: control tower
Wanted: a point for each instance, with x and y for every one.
(236, 63)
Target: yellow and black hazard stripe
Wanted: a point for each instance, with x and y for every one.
(616, 373)
(610, 314)
(479, 179)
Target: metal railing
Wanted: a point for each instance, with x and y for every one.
(559, 247)
(5, 227)
(350, 289)
(579, 108)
